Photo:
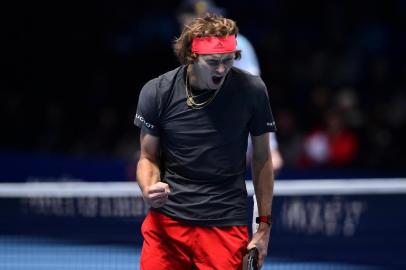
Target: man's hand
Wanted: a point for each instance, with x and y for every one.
(156, 195)
(260, 240)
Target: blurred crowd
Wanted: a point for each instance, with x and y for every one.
(335, 71)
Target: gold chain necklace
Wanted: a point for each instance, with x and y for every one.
(190, 101)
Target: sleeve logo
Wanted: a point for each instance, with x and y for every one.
(148, 125)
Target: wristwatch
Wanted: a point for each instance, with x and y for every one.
(265, 219)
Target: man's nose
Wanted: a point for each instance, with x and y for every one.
(221, 68)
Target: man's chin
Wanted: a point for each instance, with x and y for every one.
(216, 86)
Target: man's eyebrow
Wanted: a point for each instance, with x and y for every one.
(212, 59)
(219, 59)
(228, 58)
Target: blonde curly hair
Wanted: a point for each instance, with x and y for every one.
(208, 25)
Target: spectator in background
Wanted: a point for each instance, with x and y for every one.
(332, 145)
(190, 9)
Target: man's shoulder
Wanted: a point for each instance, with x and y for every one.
(163, 82)
(252, 82)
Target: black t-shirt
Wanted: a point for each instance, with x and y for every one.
(203, 150)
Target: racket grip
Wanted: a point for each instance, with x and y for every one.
(251, 262)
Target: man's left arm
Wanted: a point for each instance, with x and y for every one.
(263, 180)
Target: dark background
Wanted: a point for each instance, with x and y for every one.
(73, 72)
(336, 75)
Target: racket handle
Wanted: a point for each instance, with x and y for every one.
(251, 260)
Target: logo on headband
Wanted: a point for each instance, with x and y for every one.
(219, 45)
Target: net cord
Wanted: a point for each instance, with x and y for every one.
(131, 189)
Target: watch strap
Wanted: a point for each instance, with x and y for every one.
(265, 219)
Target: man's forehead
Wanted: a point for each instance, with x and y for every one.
(217, 56)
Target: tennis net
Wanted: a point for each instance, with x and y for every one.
(321, 224)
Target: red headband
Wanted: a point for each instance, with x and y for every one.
(212, 45)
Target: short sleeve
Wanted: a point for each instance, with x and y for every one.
(147, 116)
(262, 120)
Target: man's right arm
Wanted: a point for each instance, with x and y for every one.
(155, 193)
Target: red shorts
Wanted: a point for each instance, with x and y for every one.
(173, 245)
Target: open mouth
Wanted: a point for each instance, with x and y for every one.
(217, 79)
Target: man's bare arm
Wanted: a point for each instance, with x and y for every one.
(154, 192)
(262, 173)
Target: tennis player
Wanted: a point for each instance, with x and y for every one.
(195, 122)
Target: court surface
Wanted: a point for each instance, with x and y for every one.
(25, 253)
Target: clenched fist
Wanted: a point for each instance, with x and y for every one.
(156, 195)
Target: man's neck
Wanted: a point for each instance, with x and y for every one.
(193, 81)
